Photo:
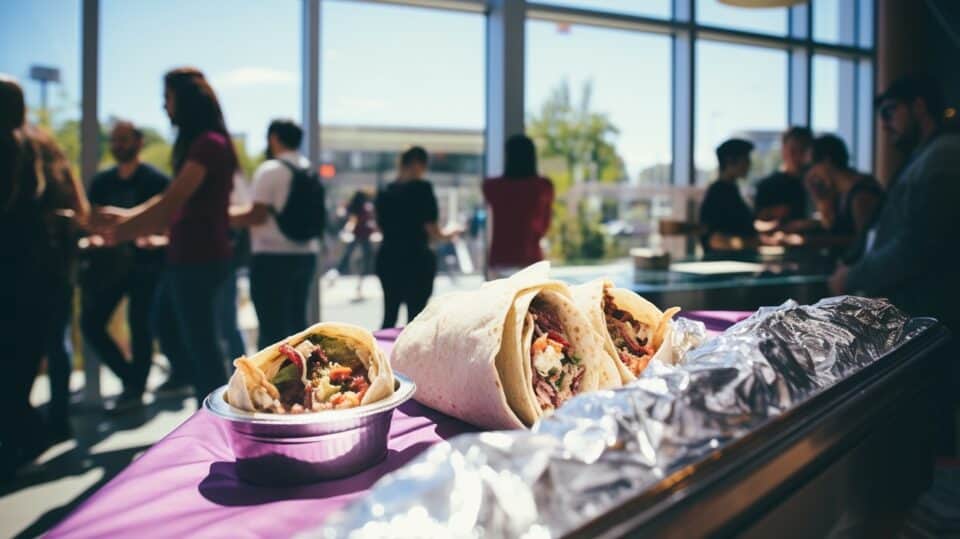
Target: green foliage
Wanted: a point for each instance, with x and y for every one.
(575, 145)
(581, 139)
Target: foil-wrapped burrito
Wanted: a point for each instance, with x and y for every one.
(600, 448)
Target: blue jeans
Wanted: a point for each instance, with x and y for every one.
(280, 288)
(196, 289)
(227, 317)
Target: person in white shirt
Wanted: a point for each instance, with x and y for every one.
(280, 269)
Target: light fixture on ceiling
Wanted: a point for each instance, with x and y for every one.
(762, 3)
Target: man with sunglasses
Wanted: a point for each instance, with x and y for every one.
(911, 254)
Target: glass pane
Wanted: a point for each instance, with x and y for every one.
(761, 20)
(833, 21)
(46, 33)
(254, 83)
(598, 105)
(387, 85)
(646, 8)
(864, 19)
(832, 99)
(741, 91)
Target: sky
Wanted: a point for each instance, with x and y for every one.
(401, 66)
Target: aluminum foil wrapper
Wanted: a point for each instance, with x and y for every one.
(600, 448)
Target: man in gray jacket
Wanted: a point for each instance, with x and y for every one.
(911, 254)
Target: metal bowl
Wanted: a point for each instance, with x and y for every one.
(290, 449)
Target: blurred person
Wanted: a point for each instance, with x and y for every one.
(727, 220)
(359, 230)
(781, 196)
(281, 269)
(40, 201)
(910, 254)
(407, 213)
(521, 205)
(231, 338)
(195, 210)
(847, 201)
(131, 269)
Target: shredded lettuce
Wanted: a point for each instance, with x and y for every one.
(289, 373)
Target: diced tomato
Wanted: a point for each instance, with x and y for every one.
(359, 384)
(340, 374)
(556, 337)
(292, 355)
(337, 399)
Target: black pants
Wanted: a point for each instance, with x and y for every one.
(29, 294)
(59, 356)
(407, 278)
(100, 299)
(280, 288)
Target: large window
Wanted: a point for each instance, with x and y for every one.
(39, 45)
(251, 56)
(741, 91)
(598, 106)
(392, 77)
(646, 8)
(759, 20)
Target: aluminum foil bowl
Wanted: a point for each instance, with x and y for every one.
(291, 449)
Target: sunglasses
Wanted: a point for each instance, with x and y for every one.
(887, 110)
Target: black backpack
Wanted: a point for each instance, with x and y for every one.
(304, 215)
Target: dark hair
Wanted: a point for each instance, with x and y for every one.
(801, 134)
(733, 149)
(196, 110)
(358, 201)
(31, 163)
(14, 147)
(287, 131)
(137, 132)
(831, 149)
(520, 157)
(415, 154)
(918, 86)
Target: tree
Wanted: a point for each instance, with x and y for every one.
(576, 144)
(577, 136)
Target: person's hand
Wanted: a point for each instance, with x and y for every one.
(837, 283)
(453, 231)
(93, 241)
(153, 241)
(107, 217)
(773, 238)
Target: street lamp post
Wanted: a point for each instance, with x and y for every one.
(44, 75)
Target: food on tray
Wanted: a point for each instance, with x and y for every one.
(633, 330)
(328, 366)
(503, 355)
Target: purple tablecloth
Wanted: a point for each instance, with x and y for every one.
(186, 484)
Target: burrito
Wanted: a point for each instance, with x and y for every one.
(633, 330)
(328, 366)
(502, 356)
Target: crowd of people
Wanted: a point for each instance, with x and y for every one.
(172, 245)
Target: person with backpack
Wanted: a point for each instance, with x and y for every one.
(286, 217)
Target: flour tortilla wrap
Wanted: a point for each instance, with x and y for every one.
(469, 352)
(250, 388)
(589, 298)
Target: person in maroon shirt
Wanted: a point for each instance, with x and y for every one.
(195, 210)
(521, 204)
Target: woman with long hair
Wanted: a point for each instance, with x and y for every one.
(521, 204)
(40, 200)
(194, 209)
